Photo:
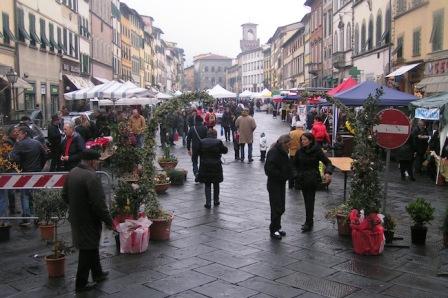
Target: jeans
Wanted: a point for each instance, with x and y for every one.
(309, 198)
(249, 153)
(195, 161)
(262, 155)
(183, 135)
(89, 260)
(140, 140)
(227, 133)
(25, 199)
(208, 193)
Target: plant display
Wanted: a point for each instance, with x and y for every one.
(343, 209)
(147, 182)
(389, 223)
(126, 155)
(49, 206)
(128, 198)
(167, 156)
(420, 211)
(5, 164)
(177, 177)
(365, 192)
(161, 179)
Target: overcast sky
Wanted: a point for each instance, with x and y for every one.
(202, 26)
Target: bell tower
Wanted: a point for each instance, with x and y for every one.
(250, 40)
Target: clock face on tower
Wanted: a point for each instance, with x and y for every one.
(250, 35)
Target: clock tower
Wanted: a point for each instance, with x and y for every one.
(250, 40)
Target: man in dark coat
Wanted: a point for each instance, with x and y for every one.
(195, 134)
(420, 138)
(71, 147)
(30, 154)
(405, 156)
(54, 139)
(226, 122)
(210, 169)
(84, 194)
(278, 169)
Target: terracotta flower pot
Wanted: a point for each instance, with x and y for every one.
(160, 228)
(55, 266)
(162, 188)
(167, 165)
(343, 225)
(47, 232)
(4, 233)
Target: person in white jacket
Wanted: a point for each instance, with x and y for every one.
(263, 146)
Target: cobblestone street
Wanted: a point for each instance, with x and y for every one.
(227, 251)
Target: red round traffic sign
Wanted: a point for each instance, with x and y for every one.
(393, 130)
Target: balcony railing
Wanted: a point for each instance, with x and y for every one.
(339, 60)
(314, 67)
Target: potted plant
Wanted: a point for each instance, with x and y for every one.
(48, 206)
(421, 212)
(445, 229)
(389, 228)
(51, 208)
(167, 161)
(162, 183)
(176, 176)
(340, 213)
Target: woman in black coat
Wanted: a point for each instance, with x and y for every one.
(306, 163)
(405, 156)
(278, 169)
(210, 168)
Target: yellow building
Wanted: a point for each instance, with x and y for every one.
(7, 48)
(126, 46)
(420, 38)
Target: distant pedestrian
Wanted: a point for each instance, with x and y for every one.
(306, 164)
(54, 140)
(420, 138)
(278, 169)
(405, 156)
(84, 194)
(246, 126)
(319, 132)
(71, 147)
(194, 137)
(263, 146)
(137, 125)
(210, 118)
(226, 122)
(210, 169)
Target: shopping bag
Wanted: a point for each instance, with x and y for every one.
(134, 235)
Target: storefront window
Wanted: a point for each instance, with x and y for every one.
(30, 97)
(54, 99)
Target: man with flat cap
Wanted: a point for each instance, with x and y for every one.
(84, 194)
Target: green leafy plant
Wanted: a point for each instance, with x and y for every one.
(177, 177)
(389, 223)
(420, 211)
(49, 206)
(127, 199)
(167, 156)
(126, 156)
(343, 209)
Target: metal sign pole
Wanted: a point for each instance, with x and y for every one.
(386, 179)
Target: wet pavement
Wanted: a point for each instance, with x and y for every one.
(227, 251)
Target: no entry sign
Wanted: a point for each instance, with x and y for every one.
(393, 130)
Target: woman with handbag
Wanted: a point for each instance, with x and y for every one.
(306, 164)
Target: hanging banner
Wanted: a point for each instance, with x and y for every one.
(301, 112)
(427, 114)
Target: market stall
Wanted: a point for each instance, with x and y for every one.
(219, 92)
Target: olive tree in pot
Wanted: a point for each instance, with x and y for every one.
(51, 208)
(421, 213)
(48, 207)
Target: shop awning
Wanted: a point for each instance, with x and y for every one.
(21, 83)
(402, 70)
(434, 84)
(79, 82)
(99, 80)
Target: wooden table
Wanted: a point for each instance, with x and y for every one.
(344, 164)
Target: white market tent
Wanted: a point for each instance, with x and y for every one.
(109, 90)
(133, 101)
(177, 93)
(264, 94)
(220, 92)
(161, 95)
(246, 93)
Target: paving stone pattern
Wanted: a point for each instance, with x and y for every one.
(227, 251)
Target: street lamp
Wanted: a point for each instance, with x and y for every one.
(12, 77)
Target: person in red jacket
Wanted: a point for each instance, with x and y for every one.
(210, 118)
(319, 131)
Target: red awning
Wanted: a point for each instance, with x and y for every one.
(346, 84)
